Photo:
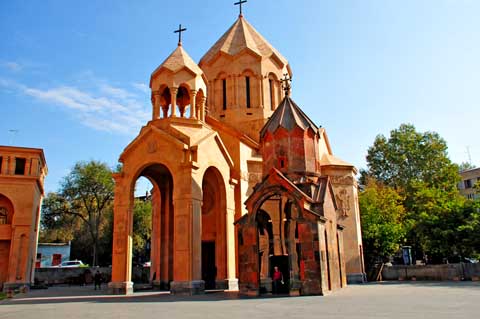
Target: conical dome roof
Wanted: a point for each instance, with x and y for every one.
(240, 36)
(288, 115)
(178, 60)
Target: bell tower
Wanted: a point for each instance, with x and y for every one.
(178, 86)
(244, 72)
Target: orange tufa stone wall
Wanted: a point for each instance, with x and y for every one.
(22, 172)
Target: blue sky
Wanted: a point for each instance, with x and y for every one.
(74, 74)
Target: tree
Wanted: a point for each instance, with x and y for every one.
(382, 217)
(142, 228)
(464, 166)
(437, 219)
(86, 195)
(408, 157)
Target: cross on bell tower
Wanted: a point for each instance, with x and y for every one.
(179, 31)
(239, 3)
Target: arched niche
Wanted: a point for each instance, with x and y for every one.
(247, 86)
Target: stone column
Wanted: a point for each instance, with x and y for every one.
(232, 281)
(155, 243)
(259, 91)
(121, 283)
(155, 105)
(211, 94)
(11, 165)
(262, 90)
(19, 267)
(173, 94)
(187, 274)
(27, 166)
(193, 109)
(235, 86)
(166, 269)
(202, 108)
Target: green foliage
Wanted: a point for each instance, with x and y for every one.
(142, 228)
(437, 220)
(84, 203)
(382, 217)
(408, 157)
(464, 166)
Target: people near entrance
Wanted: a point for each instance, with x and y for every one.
(277, 280)
(98, 280)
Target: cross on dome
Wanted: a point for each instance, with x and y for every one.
(179, 31)
(239, 3)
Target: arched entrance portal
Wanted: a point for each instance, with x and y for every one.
(277, 242)
(161, 242)
(214, 246)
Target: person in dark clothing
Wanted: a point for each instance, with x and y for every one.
(98, 280)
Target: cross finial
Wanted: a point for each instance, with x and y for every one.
(239, 3)
(286, 84)
(179, 31)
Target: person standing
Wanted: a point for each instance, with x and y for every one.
(98, 280)
(277, 280)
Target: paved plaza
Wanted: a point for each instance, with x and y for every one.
(376, 300)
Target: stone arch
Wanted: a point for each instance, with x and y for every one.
(273, 90)
(161, 242)
(165, 100)
(183, 98)
(282, 210)
(6, 210)
(214, 241)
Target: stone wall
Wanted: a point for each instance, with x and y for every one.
(53, 276)
(459, 271)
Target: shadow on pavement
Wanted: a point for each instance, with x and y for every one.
(57, 295)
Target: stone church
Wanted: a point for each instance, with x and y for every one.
(243, 180)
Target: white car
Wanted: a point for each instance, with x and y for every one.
(72, 264)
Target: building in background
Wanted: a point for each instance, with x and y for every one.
(52, 254)
(22, 173)
(469, 178)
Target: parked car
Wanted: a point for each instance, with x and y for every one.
(72, 264)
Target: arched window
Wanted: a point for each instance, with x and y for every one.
(3, 216)
(247, 91)
(224, 94)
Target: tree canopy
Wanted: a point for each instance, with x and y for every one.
(408, 157)
(382, 217)
(83, 202)
(437, 221)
